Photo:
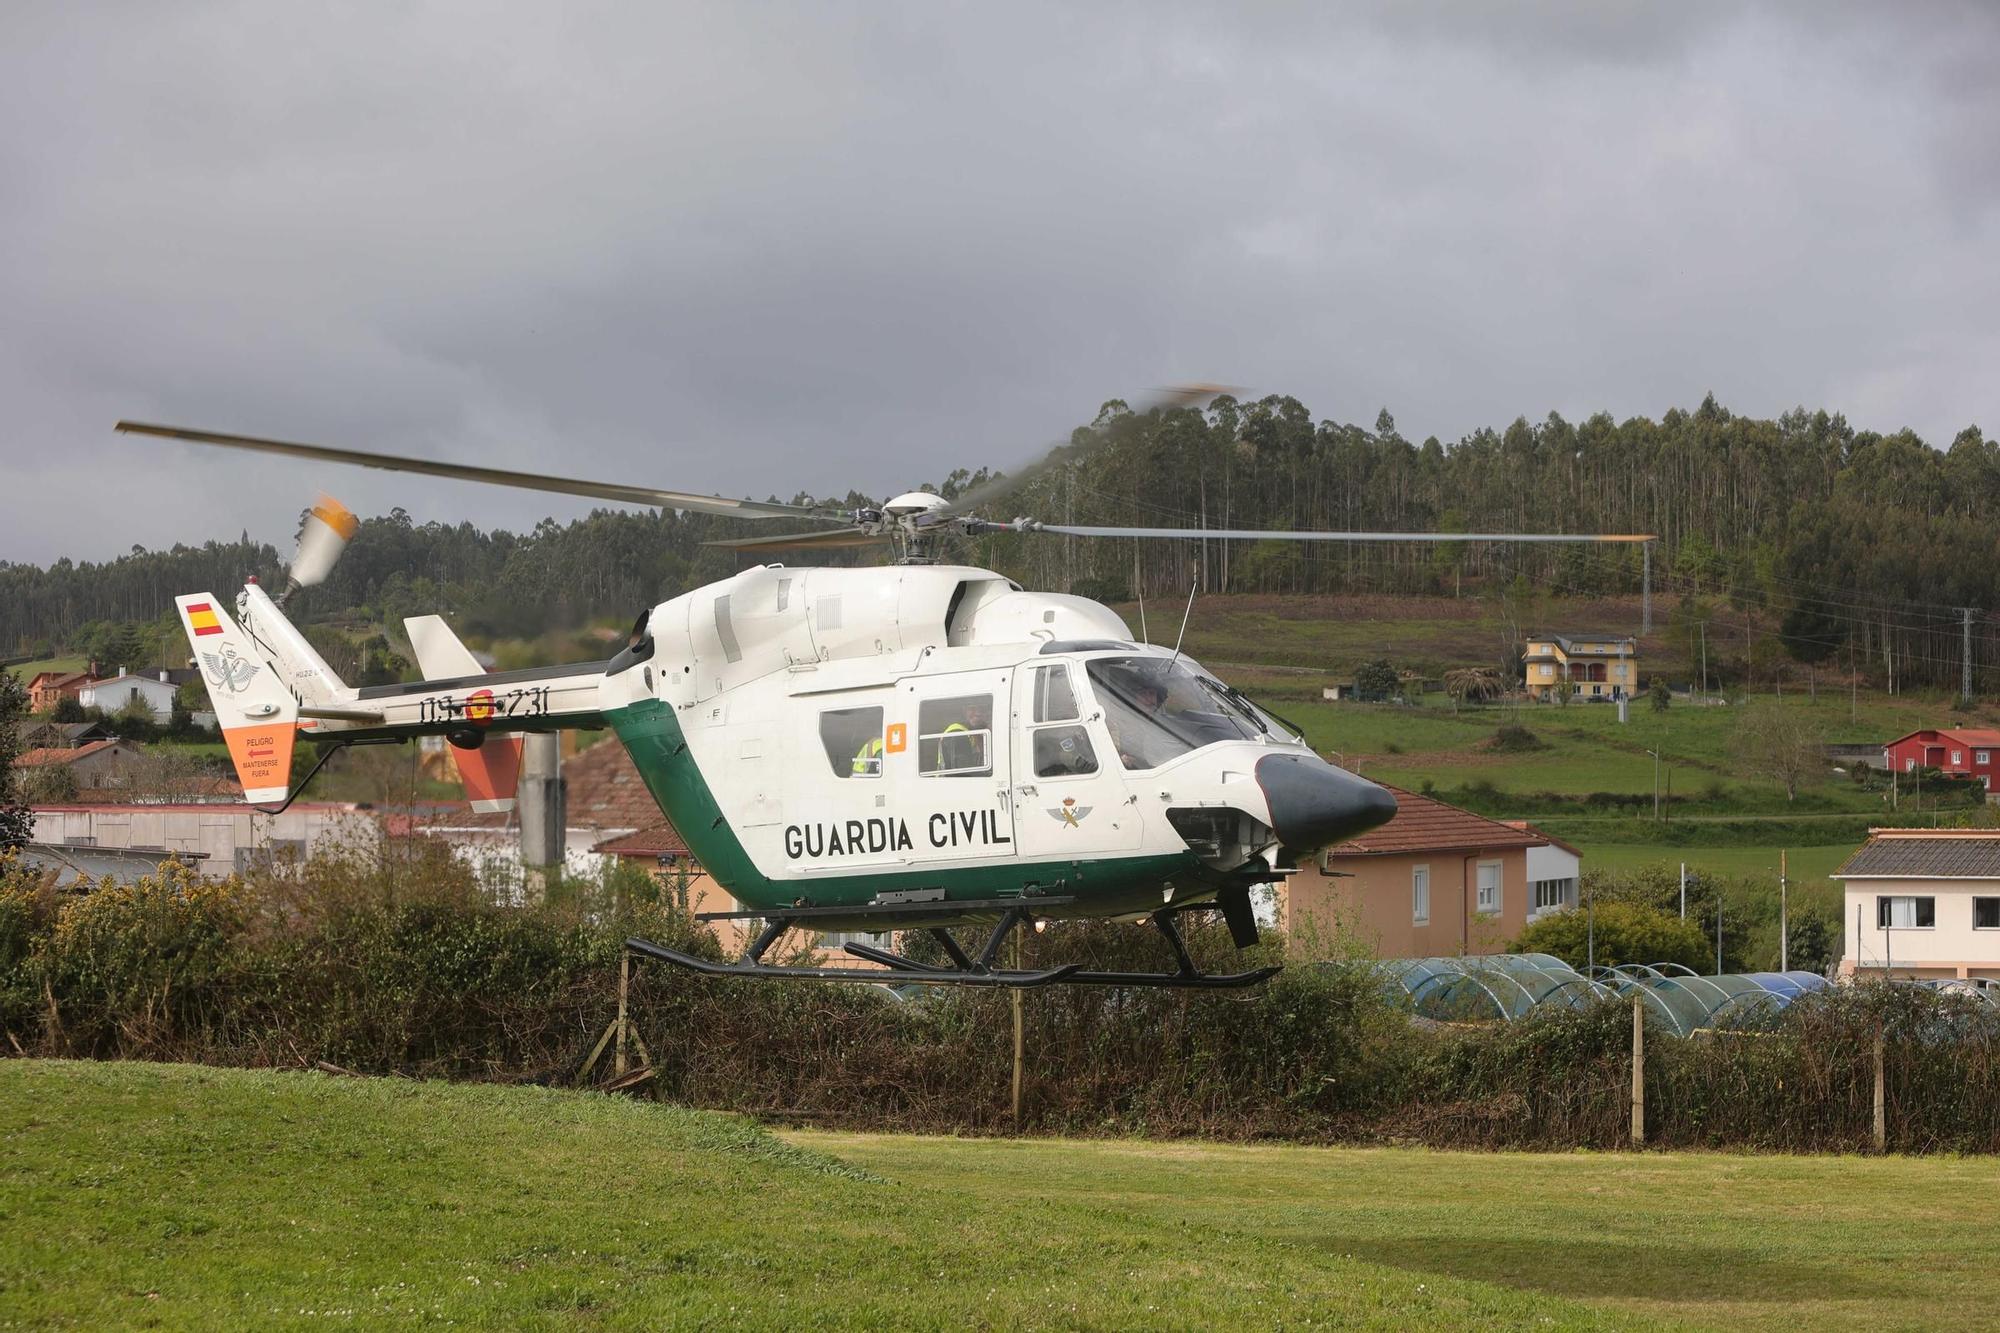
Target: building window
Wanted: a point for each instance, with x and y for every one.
(853, 741)
(1905, 913)
(1986, 913)
(955, 737)
(1552, 895)
(1909, 765)
(1957, 756)
(1982, 757)
(1420, 896)
(1488, 898)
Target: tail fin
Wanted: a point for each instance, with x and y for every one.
(257, 712)
(492, 770)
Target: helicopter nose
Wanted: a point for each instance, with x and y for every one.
(1315, 805)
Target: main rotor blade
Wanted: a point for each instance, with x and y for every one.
(1259, 535)
(800, 540)
(1184, 395)
(598, 490)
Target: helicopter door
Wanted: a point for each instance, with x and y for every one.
(1067, 798)
(949, 771)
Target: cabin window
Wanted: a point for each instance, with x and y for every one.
(955, 737)
(1552, 895)
(1489, 887)
(1063, 752)
(1982, 756)
(1957, 757)
(1986, 913)
(1905, 913)
(1055, 697)
(1420, 896)
(853, 741)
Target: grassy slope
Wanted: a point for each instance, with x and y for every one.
(27, 671)
(138, 1194)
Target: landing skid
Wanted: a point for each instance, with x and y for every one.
(963, 970)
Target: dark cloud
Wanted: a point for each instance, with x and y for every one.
(764, 249)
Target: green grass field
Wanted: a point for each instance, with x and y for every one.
(1807, 866)
(27, 671)
(173, 1196)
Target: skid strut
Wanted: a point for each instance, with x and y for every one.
(963, 970)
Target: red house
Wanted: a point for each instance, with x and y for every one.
(1961, 752)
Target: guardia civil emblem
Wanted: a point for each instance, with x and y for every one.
(1069, 812)
(228, 671)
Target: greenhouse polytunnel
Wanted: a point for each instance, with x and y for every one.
(1509, 986)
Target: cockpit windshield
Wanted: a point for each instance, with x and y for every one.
(1158, 710)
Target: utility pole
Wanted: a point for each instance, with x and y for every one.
(1684, 890)
(1590, 932)
(1656, 784)
(1784, 920)
(1965, 656)
(1718, 932)
(1645, 587)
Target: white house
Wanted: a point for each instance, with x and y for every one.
(115, 694)
(1553, 872)
(1923, 903)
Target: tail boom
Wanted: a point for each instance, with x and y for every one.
(269, 687)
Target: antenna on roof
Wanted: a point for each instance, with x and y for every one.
(1184, 616)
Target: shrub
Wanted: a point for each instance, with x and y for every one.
(1376, 681)
(1624, 932)
(1513, 738)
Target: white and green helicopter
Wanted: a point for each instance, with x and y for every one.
(911, 746)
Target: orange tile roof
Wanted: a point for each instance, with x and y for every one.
(1984, 737)
(56, 754)
(1426, 825)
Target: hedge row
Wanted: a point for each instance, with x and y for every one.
(399, 964)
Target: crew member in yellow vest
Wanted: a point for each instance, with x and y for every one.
(868, 759)
(965, 751)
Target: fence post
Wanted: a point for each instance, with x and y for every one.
(1018, 1036)
(1881, 1099)
(624, 979)
(1638, 1072)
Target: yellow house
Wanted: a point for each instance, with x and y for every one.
(1598, 666)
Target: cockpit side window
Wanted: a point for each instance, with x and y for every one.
(1055, 697)
(853, 741)
(955, 737)
(1159, 710)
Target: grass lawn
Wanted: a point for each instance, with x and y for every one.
(178, 1196)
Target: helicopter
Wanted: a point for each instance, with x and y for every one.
(916, 746)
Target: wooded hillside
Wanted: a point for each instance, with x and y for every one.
(1862, 545)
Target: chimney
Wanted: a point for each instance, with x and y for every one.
(93, 669)
(121, 673)
(163, 677)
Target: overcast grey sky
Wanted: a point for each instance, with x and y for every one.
(757, 248)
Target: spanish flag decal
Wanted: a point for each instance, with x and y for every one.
(201, 618)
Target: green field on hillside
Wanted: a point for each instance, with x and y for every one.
(181, 1197)
(1808, 867)
(27, 671)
